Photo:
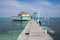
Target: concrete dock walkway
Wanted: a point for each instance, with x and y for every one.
(34, 31)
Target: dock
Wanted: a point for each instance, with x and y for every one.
(34, 31)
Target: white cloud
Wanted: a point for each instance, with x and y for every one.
(11, 8)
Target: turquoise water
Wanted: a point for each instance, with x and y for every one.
(53, 27)
(9, 30)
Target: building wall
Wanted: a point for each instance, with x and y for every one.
(26, 17)
(22, 18)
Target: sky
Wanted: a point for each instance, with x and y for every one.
(50, 8)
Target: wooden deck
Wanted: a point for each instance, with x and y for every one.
(34, 31)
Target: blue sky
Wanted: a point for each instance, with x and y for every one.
(44, 8)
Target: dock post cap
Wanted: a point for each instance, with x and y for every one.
(45, 31)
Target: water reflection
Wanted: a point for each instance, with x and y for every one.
(20, 24)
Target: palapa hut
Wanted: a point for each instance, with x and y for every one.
(23, 16)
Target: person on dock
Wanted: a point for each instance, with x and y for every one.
(40, 22)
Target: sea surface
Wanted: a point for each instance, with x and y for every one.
(10, 30)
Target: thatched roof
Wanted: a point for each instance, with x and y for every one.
(23, 14)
